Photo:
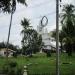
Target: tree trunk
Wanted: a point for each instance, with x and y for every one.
(61, 46)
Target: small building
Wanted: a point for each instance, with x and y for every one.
(4, 50)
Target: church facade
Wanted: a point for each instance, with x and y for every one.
(46, 38)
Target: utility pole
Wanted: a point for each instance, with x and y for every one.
(57, 37)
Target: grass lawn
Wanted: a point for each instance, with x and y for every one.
(39, 64)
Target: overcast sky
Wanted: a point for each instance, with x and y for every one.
(34, 12)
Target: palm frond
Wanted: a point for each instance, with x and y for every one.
(22, 2)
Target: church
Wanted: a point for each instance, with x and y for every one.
(46, 39)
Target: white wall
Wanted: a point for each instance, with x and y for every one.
(2, 53)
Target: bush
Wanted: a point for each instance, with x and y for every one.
(15, 54)
(11, 68)
(53, 51)
(48, 54)
(12, 64)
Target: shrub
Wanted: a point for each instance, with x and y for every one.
(11, 68)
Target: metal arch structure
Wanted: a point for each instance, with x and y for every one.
(42, 25)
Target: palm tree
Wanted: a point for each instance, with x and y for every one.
(25, 25)
(68, 14)
(6, 5)
(68, 25)
(10, 7)
(31, 41)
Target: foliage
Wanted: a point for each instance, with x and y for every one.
(2, 45)
(11, 46)
(61, 36)
(66, 34)
(10, 5)
(68, 26)
(11, 68)
(31, 41)
(40, 64)
(48, 53)
(15, 54)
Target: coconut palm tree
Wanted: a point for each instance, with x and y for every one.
(31, 41)
(6, 5)
(10, 7)
(25, 33)
(68, 25)
(68, 14)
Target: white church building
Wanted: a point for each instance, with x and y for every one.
(46, 38)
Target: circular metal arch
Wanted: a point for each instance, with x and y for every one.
(44, 17)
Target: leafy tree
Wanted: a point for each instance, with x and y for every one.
(25, 24)
(10, 7)
(31, 41)
(68, 26)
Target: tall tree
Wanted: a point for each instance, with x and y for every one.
(25, 25)
(68, 14)
(68, 26)
(31, 41)
(10, 7)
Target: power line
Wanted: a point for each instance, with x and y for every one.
(48, 14)
(40, 4)
(37, 5)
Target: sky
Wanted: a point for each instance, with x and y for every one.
(34, 12)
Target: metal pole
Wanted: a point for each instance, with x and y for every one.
(57, 37)
(9, 33)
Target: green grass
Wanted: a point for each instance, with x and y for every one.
(40, 64)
